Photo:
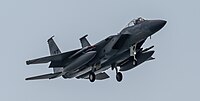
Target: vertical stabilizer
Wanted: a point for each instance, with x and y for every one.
(84, 41)
(53, 48)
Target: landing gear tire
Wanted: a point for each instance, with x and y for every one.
(119, 76)
(92, 77)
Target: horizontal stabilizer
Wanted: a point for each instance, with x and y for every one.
(45, 76)
(58, 57)
(56, 64)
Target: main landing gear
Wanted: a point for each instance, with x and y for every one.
(119, 75)
(92, 75)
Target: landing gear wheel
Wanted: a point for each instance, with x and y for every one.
(119, 76)
(92, 77)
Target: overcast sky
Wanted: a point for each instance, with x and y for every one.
(25, 26)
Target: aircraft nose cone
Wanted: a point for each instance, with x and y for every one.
(156, 25)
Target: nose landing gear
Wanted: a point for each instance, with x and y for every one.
(92, 77)
(133, 53)
(119, 76)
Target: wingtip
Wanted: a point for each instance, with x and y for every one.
(27, 79)
(27, 62)
(84, 36)
(50, 38)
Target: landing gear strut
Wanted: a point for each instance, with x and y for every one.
(134, 62)
(133, 52)
(119, 75)
(92, 77)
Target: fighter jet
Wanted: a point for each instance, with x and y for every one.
(123, 50)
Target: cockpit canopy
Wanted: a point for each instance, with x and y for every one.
(135, 21)
(132, 23)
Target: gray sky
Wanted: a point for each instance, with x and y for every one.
(25, 25)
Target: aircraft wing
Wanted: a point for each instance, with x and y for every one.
(58, 57)
(151, 58)
(45, 76)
